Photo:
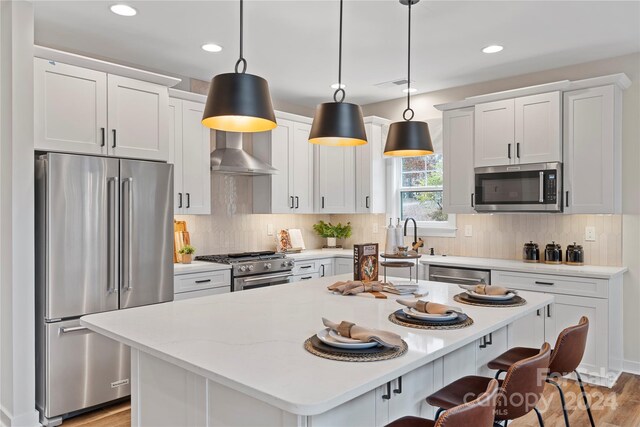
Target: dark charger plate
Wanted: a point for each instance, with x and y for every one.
(516, 300)
(400, 314)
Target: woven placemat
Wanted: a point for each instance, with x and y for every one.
(316, 347)
(399, 318)
(464, 298)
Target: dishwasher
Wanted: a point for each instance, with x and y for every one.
(459, 275)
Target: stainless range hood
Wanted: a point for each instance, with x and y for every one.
(229, 157)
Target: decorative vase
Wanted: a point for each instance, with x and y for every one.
(331, 242)
(186, 258)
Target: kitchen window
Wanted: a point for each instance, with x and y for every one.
(417, 189)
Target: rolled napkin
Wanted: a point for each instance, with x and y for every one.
(360, 333)
(355, 287)
(429, 307)
(488, 290)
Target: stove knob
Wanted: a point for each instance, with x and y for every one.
(268, 266)
(250, 268)
(242, 268)
(284, 263)
(290, 263)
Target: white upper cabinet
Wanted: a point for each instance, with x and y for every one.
(494, 133)
(520, 130)
(457, 147)
(538, 128)
(78, 110)
(592, 150)
(371, 168)
(189, 148)
(335, 179)
(138, 114)
(70, 108)
(286, 148)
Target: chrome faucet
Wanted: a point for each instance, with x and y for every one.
(415, 230)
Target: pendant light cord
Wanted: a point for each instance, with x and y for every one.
(339, 89)
(241, 59)
(408, 109)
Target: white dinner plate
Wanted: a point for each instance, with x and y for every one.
(326, 337)
(412, 312)
(506, 297)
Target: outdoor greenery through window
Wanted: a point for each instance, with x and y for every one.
(421, 188)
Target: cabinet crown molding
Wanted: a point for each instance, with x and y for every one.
(187, 96)
(104, 66)
(620, 79)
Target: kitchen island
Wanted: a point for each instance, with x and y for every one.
(238, 359)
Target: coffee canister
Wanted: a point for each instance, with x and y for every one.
(531, 252)
(575, 254)
(553, 253)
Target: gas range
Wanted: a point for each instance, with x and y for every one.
(254, 269)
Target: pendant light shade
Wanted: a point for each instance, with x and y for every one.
(338, 123)
(239, 102)
(408, 138)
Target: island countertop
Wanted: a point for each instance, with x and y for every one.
(252, 341)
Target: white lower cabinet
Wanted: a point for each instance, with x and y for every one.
(528, 331)
(408, 394)
(488, 348)
(326, 267)
(343, 265)
(192, 285)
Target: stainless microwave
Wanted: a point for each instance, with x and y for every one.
(534, 187)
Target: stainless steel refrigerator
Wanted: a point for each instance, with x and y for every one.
(104, 241)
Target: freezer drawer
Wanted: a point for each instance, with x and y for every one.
(82, 369)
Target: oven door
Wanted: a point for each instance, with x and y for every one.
(519, 188)
(260, 281)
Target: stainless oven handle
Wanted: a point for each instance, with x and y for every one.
(464, 279)
(541, 187)
(261, 278)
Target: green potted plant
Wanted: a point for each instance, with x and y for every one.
(186, 253)
(332, 232)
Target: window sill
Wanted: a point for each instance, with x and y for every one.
(437, 231)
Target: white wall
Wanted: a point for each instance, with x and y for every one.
(17, 347)
(629, 64)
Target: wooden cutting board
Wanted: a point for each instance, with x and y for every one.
(180, 239)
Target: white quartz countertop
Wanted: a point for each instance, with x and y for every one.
(322, 253)
(199, 267)
(593, 271)
(252, 341)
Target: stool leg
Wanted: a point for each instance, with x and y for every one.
(439, 412)
(539, 417)
(498, 373)
(564, 408)
(586, 402)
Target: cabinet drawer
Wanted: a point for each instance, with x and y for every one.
(198, 281)
(306, 267)
(582, 286)
(304, 276)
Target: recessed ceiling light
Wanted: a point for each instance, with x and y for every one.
(492, 49)
(211, 47)
(410, 90)
(336, 85)
(123, 10)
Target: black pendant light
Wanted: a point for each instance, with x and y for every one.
(338, 123)
(407, 138)
(239, 102)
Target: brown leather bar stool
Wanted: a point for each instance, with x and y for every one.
(477, 413)
(565, 358)
(519, 392)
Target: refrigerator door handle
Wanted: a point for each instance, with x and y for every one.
(113, 230)
(73, 329)
(129, 233)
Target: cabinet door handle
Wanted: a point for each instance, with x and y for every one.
(103, 143)
(114, 138)
(322, 202)
(188, 200)
(179, 200)
(388, 395)
(473, 200)
(509, 150)
(306, 278)
(518, 150)
(366, 202)
(399, 389)
(490, 340)
(297, 202)
(291, 197)
(549, 310)
(203, 281)
(305, 266)
(322, 265)
(544, 283)
(538, 312)
(484, 342)
(566, 199)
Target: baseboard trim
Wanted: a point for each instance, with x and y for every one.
(631, 366)
(28, 419)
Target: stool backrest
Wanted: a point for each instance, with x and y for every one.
(523, 386)
(569, 349)
(479, 412)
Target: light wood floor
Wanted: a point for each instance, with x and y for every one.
(617, 407)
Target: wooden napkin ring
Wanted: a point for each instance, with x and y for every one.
(344, 328)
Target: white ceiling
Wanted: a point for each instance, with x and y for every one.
(294, 43)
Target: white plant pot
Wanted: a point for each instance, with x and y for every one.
(331, 242)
